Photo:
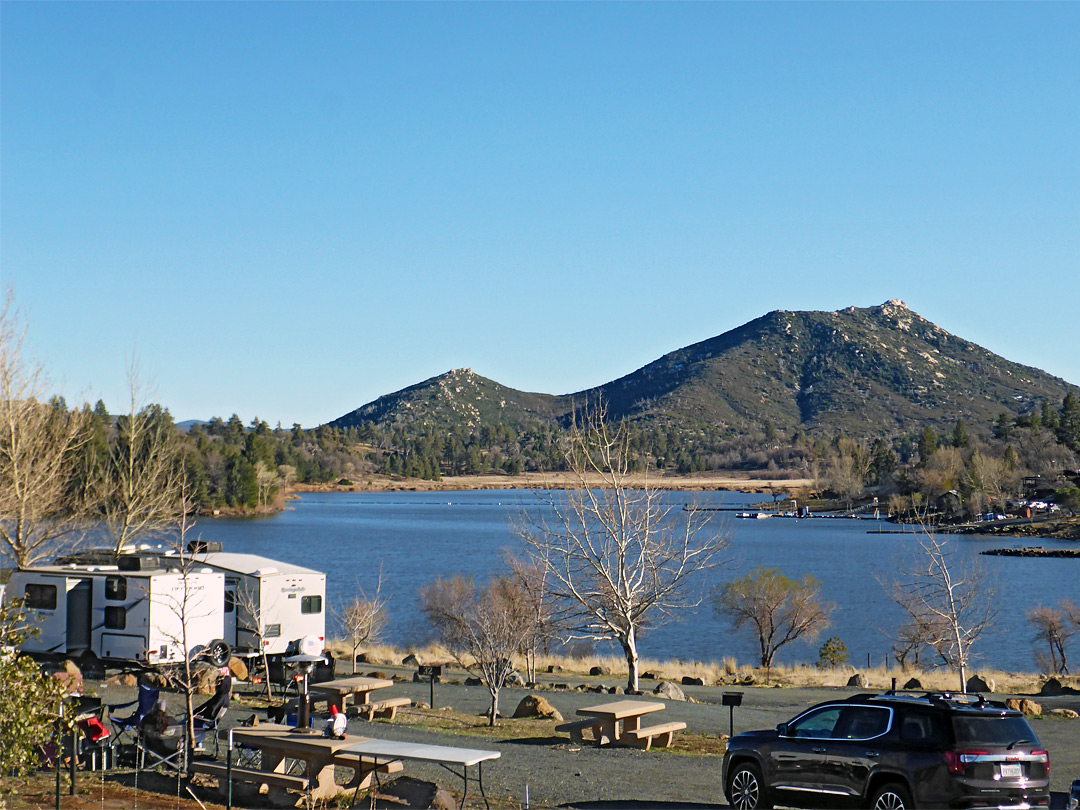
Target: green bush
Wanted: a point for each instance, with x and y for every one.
(833, 654)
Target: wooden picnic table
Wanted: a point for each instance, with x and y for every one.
(617, 718)
(447, 756)
(338, 691)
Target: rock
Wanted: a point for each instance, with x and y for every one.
(154, 680)
(689, 680)
(599, 689)
(554, 668)
(363, 658)
(72, 681)
(472, 681)
(381, 675)
(238, 668)
(858, 681)
(561, 687)
(515, 679)
(1025, 706)
(1051, 688)
(616, 690)
(418, 794)
(749, 680)
(650, 676)
(977, 683)
(536, 706)
(669, 691)
(1064, 713)
(913, 684)
(597, 671)
(410, 660)
(205, 680)
(126, 679)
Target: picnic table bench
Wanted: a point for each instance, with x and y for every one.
(252, 775)
(662, 734)
(576, 729)
(384, 709)
(340, 691)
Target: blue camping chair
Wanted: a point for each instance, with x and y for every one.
(148, 696)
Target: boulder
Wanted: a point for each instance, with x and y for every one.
(238, 668)
(554, 668)
(205, 680)
(1052, 688)
(597, 671)
(1025, 706)
(669, 691)
(473, 681)
(71, 678)
(155, 680)
(363, 658)
(1065, 714)
(599, 689)
(913, 684)
(417, 793)
(561, 686)
(689, 680)
(537, 706)
(650, 676)
(858, 681)
(411, 660)
(380, 675)
(978, 683)
(515, 679)
(617, 690)
(126, 679)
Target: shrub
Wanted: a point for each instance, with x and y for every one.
(833, 654)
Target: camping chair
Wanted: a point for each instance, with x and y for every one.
(148, 696)
(161, 752)
(204, 727)
(96, 740)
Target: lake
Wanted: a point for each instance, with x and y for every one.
(417, 536)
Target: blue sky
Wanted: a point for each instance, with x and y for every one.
(288, 210)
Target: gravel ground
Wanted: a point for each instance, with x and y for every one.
(560, 774)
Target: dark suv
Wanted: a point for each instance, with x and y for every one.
(890, 752)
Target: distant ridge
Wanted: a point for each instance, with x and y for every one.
(865, 371)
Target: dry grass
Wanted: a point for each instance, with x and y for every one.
(728, 671)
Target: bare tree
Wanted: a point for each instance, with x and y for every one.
(40, 510)
(250, 619)
(779, 610)
(138, 485)
(952, 602)
(363, 619)
(1053, 628)
(532, 579)
(482, 629)
(616, 558)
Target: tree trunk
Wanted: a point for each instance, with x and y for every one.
(629, 645)
(494, 706)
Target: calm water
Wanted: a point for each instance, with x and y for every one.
(415, 537)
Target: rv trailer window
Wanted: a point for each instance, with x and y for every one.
(116, 588)
(230, 601)
(311, 604)
(115, 617)
(273, 631)
(40, 597)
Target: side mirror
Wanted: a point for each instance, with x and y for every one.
(782, 729)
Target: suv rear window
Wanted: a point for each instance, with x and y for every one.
(992, 730)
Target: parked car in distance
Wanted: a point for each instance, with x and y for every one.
(1074, 796)
(892, 751)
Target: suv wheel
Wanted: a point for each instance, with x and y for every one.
(744, 789)
(892, 796)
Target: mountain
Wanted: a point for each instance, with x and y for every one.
(866, 371)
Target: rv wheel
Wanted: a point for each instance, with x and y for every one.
(217, 652)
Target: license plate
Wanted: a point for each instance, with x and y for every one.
(1011, 770)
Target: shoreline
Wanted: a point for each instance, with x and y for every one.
(705, 482)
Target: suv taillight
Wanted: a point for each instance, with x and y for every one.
(959, 760)
(1042, 756)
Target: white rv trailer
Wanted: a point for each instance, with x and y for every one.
(288, 601)
(130, 612)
